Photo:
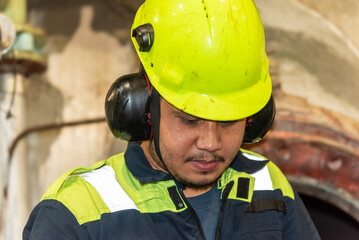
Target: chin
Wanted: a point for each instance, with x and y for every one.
(199, 183)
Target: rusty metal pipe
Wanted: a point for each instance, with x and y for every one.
(50, 126)
(319, 161)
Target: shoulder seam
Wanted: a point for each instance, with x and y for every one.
(279, 180)
(53, 190)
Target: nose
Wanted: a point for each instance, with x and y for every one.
(209, 138)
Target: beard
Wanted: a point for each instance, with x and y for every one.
(204, 182)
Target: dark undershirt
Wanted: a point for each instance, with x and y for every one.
(207, 206)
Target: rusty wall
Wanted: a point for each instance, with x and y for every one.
(313, 50)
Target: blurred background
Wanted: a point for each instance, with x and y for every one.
(59, 57)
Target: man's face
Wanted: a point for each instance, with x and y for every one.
(195, 151)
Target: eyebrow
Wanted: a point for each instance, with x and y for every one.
(182, 113)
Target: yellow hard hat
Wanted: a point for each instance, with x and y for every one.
(206, 57)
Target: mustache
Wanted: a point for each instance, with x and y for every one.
(202, 157)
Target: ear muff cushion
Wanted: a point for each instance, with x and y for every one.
(259, 124)
(125, 108)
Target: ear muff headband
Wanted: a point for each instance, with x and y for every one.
(132, 113)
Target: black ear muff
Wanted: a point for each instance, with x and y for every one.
(127, 108)
(259, 124)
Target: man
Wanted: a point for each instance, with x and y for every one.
(202, 90)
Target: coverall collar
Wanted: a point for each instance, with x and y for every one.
(141, 169)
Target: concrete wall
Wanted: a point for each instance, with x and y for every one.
(87, 48)
(316, 59)
(343, 14)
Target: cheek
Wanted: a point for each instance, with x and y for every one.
(232, 140)
(176, 139)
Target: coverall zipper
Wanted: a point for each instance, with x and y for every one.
(193, 213)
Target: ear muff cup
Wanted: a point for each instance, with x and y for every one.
(127, 108)
(259, 124)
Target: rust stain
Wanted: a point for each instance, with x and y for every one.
(316, 147)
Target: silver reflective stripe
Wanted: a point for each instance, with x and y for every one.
(253, 157)
(105, 182)
(263, 180)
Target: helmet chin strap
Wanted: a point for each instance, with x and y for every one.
(155, 119)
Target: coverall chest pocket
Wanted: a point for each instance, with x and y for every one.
(263, 220)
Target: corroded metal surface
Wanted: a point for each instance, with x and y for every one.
(318, 152)
(303, 149)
